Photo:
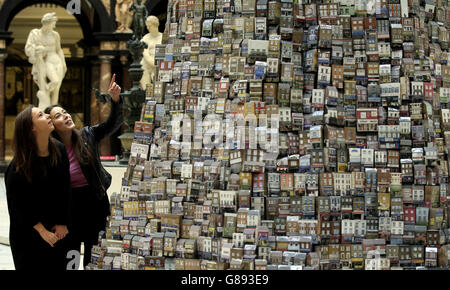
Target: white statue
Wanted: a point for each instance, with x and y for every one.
(152, 38)
(43, 49)
(124, 16)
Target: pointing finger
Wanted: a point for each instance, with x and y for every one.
(113, 79)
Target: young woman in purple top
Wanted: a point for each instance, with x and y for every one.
(89, 180)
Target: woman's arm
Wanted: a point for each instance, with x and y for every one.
(22, 206)
(115, 118)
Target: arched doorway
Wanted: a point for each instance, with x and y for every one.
(94, 16)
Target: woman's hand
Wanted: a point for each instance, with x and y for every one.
(114, 90)
(60, 231)
(49, 237)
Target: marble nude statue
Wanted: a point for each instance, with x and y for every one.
(152, 38)
(43, 48)
(123, 15)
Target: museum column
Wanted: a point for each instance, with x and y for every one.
(2, 106)
(126, 81)
(104, 109)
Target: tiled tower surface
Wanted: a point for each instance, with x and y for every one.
(354, 97)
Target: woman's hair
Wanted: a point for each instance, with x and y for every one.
(25, 147)
(80, 148)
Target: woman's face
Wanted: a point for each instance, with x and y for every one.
(61, 119)
(42, 123)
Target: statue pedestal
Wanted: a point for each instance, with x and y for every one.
(126, 139)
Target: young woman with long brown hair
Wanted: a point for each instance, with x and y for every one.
(38, 194)
(89, 180)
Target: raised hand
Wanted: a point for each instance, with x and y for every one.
(114, 90)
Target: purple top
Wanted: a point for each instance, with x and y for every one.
(76, 175)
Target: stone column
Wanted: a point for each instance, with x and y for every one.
(28, 87)
(2, 106)
(104, 109)
(126, 82)
(93, 103)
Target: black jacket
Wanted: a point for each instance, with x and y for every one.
(46, 200)
(97, 177)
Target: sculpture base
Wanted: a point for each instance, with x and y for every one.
(126, 139)
(125, 158)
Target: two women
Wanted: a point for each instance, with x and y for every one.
(89, 180)
(56, 187)
(38, 193)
